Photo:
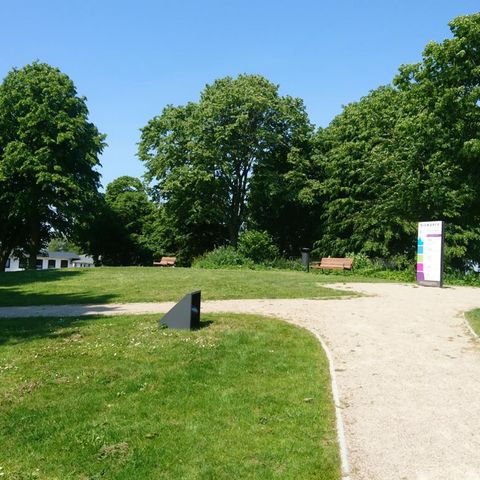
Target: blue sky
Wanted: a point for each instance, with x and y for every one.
(131, 58)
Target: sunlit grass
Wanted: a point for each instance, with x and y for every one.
(117, 398)
(473, 318)
(148, 284)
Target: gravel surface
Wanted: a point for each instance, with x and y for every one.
(407, 369)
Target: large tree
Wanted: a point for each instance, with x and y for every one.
(204, 156)
(118, 230)
(407, 153)
(127, 198)
(361, 179)
(48, 154)
(447, 134)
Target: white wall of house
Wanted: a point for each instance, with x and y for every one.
(83, 262)
(52, 261)
(13, 265)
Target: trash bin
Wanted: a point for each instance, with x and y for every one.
(306, 258)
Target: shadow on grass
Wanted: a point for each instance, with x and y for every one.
(31, 276)
(21, 330)
(204, 324)
(25, 329)
(18, 289)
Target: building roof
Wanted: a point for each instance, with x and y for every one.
(60, 255)
(83, 259)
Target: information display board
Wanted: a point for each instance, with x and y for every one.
(430, 253)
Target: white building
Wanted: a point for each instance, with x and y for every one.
(46, 260)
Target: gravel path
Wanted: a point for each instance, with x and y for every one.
(407, 369)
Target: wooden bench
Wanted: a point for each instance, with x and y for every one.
(328, 263)
(166, 262)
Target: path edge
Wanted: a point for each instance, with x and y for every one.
(469, 327)
(341, 438)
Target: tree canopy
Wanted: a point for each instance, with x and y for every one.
(118, 230)
(206, 156)
(407, 153)
(245, 160)
(48, 154)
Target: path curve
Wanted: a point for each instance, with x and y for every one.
(407, 369)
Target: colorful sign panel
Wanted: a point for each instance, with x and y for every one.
(430, 253)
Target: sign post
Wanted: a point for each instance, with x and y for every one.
(430, 253)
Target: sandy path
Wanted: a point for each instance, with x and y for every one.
(407, 368)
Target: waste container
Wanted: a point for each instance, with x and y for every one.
(306, 258)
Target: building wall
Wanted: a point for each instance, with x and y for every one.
(46, 263)
(14, 265)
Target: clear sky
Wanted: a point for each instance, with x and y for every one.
(131, 58)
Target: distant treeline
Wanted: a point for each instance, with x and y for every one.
(244, 158)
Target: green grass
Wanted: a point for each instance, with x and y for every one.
(117, 398)
(148, 284)
(473, 318)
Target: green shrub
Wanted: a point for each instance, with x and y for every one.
(454, 277)
(229, 257)
(257, 246)
(403, 262)
(395, 269)
(222, 257)
(361, 261)
(280, 263)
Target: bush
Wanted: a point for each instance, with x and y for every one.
(257, 246)
(222, 257)
(229, 257)
(455, 277)
(280, 263)
(361, 261)
(397, 268)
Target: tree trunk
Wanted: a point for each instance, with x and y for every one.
(4, 254)
(232, 234)
(32, 261)
(34, 246)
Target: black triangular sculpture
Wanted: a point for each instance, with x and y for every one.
(185, 314)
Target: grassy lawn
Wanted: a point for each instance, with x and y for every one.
(148, 284)
(474, 318)
(117, 398)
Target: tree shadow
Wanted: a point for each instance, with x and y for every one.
(33, 276)
(21, 330)
(18, 289)
(204, 324)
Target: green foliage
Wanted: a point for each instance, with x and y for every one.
(399, 268)
(61, 244)
(255, 250)
(281, 263)
(361, 262)
(257, 246)
(405, 154)
(48, 152)
(120, 229)
(101, 234)
(127, 197)
(469, 278)
(360, 211)
(223, 257)
(228, 257)
(205, 157)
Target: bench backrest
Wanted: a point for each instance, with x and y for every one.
(337, 263)
(168, 260)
